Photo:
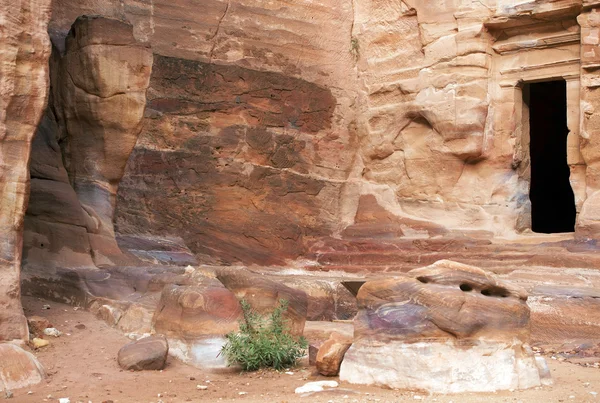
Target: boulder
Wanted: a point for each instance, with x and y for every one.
(331, 353)
(263, 295)
(196, 319)
(18, 368)
(149, 353)
(445, 328)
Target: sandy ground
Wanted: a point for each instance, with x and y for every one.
(82, 366)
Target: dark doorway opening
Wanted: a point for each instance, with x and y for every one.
(551, 195)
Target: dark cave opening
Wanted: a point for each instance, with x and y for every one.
(550, 192)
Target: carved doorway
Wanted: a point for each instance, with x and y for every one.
(552, 198)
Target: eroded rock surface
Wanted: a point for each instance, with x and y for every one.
(453, 320)
(81, 147)
(24, 54)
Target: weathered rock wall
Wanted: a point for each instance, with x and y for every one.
(269, 125)
(24, 57)
(248, 134)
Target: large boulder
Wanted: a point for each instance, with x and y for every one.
(196, 319)
(18, 368)
(149, 353)
(264, 294)
(446, 328)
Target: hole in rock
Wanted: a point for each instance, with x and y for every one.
(495, 292)
(550, 192)
(423, 280)
(466, 287)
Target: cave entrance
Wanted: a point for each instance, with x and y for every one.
(550, 192)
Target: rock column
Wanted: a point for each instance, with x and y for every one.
(103, 80)
(24, 53)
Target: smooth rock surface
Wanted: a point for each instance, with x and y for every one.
(454, 320)
(18, 368)
(148, 353)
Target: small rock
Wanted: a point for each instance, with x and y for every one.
(149, 353)
(46, 306)
(39, 343)
(37, 324)
(189, 270)
(331, 354)
(289, 373)
(8, 394)
(52, 331)
(64, 400)
(316, 386)
(417, 397)
(80, 326)
(201, 387)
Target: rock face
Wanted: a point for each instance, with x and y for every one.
(246, 143)
(453, 320)
(18, 368)
(23, 94)
(331, 135)
(404, 119)
(331, 353)
(149, 353)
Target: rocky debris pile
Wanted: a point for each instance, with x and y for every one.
(449, 319)
(148, 353)
(37, 325)
(39, 329)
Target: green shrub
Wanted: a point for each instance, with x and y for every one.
(263, 342)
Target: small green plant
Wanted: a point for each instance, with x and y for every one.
(263, 342)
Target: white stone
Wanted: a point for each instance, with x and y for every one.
(316, 386)
(52, 331)
(441, 367)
